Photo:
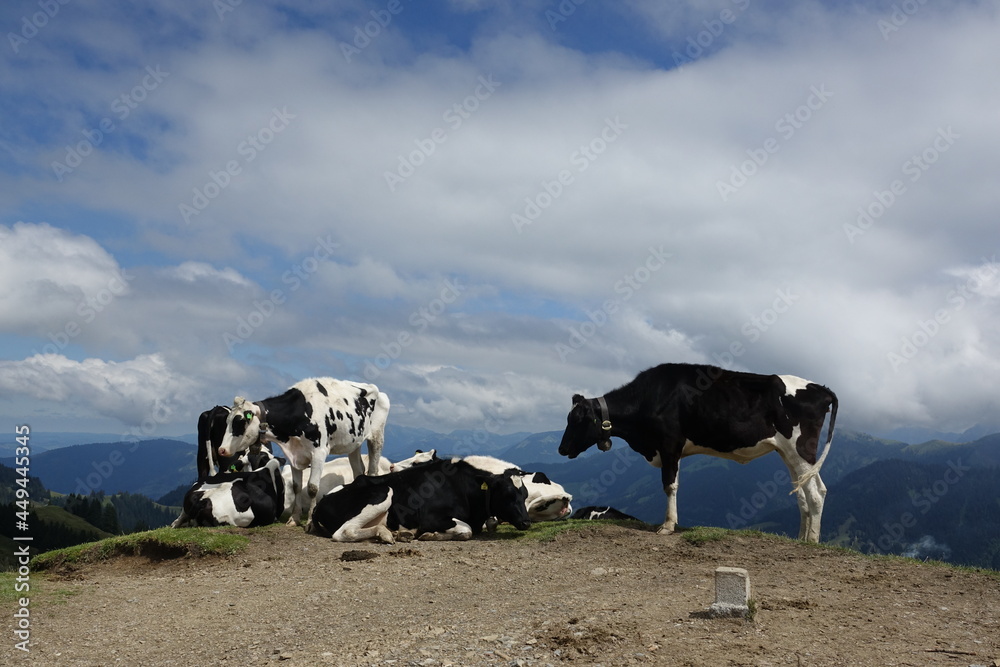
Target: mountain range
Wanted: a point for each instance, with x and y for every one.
(935, 499)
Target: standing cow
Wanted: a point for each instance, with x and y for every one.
(675, 410)
(211, 428)
(313, 419)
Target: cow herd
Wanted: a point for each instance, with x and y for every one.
(354, 497)
(666, 413)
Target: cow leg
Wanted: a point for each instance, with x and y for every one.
(375, 442)
(312, 489)
(670, 474)
(293, 520)
(181, 521)
(368, 524)
(459, 531)
(357, 464)
(810, 495)
(815, 493)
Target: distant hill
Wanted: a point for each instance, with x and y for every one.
(43, 442)
(149, 467)
(713, 492)
(947, 512)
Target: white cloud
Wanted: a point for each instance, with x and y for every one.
(134, 391)
(809, 114)
(50, 277)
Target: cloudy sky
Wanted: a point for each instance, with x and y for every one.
(485, 207)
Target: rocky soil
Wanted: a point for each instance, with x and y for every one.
(603, 594)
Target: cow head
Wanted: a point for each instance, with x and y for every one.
(584, 428)
(242, 427)
(547, 500)
(507, 496)
(418, 457)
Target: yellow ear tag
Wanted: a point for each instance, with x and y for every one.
(484, 487)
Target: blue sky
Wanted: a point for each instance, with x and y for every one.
(487, 207)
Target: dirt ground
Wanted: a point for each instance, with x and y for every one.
(603, 595)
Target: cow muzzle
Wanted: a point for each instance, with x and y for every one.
(604, 445)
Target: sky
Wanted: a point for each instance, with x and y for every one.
(486, 207)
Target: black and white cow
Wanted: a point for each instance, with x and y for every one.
(211, 428)
(593, 513)
(255, 458)
(245, 499)
(675, 410)
(310, 421)
(336, 472)
(436, 500)
(419, 457)
(546, 501)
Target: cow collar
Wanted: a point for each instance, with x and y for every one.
(604, 445)
(491, 521)
(263, 423)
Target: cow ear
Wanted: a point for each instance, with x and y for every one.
(540, 478)
(577, 399)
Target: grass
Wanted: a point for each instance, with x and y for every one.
(156, 544)
(546, 531)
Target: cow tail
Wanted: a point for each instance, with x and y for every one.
(814, 470)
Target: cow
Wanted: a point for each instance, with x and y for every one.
(546, 501)
(251, 460)
(336, 472)
(245, 499)
(436, 500)
(593, 513)
(675, 410)
(311, 420)
(211, 427)
(419, 457)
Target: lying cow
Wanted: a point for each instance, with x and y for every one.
(251, 460)
(593, 513)
(419, 457)
(244, 499)
(311, 420)
(336, 472)
(437, 500)
(547, 500)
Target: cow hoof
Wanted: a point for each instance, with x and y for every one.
(385, 536)
(405, 535)
(665, 531)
